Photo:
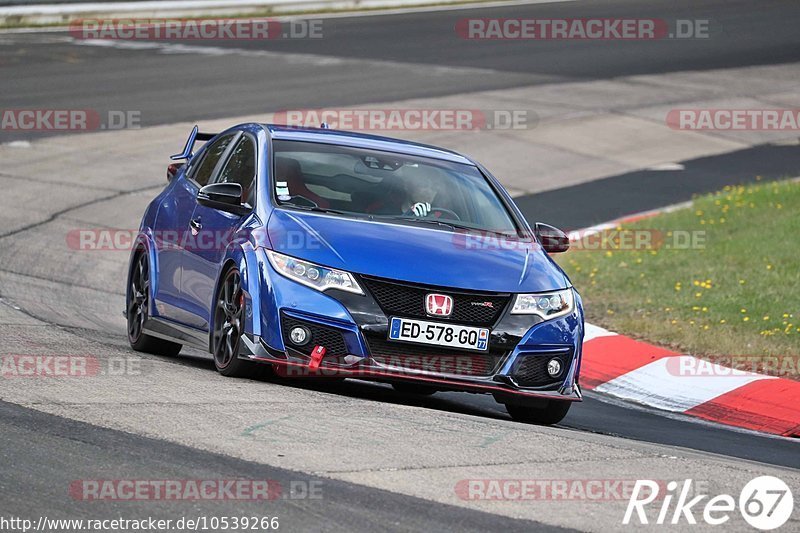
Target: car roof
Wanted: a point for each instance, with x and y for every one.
(361, 140)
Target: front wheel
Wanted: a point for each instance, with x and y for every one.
(228, 328)
(552, 413)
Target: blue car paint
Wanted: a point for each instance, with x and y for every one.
(184, 284)
(413, 253)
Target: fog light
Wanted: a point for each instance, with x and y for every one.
(300, 335)
(554, 367)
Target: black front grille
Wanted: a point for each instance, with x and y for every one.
(432, 358)
(530, 370)
(401, 299)
(330, 338)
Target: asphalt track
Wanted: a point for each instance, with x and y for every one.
(60, 457)
(179, 86)
(41, 70)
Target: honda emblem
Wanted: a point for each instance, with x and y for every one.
(438, 304)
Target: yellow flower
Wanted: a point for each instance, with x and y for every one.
(743, 310)
(722, 321)
(746, 319)
(769, 267)
(766, 317)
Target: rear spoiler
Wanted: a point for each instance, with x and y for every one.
(194, 136)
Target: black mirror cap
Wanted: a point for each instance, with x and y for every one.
(223, 196)
(552, 239)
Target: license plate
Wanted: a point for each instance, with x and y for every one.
(436, 333)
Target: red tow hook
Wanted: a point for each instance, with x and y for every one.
(316, 357)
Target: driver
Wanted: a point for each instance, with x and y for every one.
(420, 192)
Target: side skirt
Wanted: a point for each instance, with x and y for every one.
(172, 331)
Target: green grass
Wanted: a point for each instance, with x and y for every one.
(739, 294)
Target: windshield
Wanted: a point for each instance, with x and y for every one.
(386, 185)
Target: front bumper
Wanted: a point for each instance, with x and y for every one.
(354, 330)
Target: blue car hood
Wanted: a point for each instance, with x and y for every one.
(412, 253)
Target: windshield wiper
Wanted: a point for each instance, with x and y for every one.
(429, 221)
(317, 209)
(451, 225)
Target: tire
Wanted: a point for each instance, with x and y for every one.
(137, 309)
(413, 388)
(227, 329)
(552, 413)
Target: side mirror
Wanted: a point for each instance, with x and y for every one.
(173, 169)
(223, 196)
(552, 239)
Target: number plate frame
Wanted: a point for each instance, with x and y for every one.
(413, 331)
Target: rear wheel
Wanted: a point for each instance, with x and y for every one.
(552, 413)
(413, 388)
(228, 328)
(138, 308)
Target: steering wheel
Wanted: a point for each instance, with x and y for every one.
(440, 210)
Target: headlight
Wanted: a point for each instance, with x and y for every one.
(547, 304)
(311, 275)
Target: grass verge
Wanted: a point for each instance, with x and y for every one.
(734, 291)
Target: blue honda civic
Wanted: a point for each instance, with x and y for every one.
(324, 254)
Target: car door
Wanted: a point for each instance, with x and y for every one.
(202, 263)
(172, 228)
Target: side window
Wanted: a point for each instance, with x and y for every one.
(241, 168)
(210, 158)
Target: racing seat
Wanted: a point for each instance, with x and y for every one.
(288, 170)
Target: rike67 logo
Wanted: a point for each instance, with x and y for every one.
(765, 503)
